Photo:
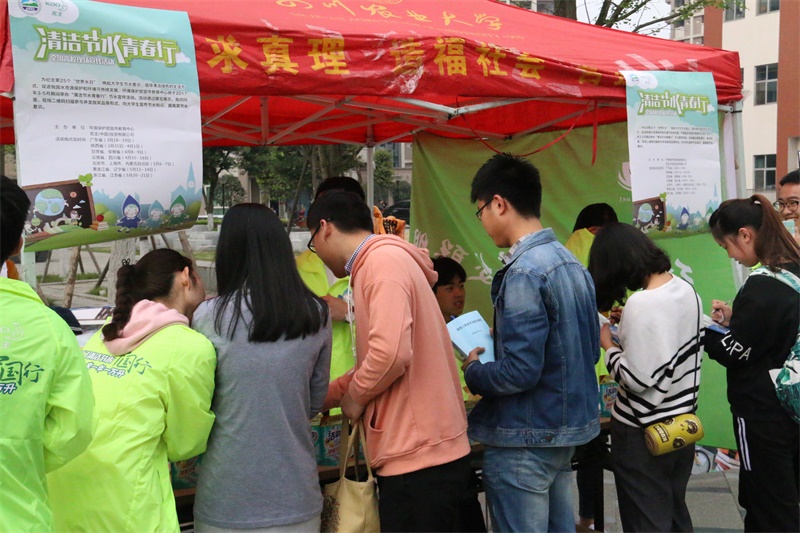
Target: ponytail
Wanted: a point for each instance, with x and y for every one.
(123, 303)
(773, 244)
(150, 278)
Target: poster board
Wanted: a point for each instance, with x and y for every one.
(107, 115)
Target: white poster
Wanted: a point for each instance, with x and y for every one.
(673, 139)
(107, 120)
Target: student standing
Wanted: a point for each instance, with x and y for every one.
(153, 378)
(335, 291)
(405, 385)
(657, 367)
(763, 322)
(540, 396)
(273, 341)
(45, 393)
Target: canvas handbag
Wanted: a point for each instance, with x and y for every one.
(677, 432)
(787, 378)
(351, 506)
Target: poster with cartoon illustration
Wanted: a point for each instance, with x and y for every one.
(107, 115)
(673, 142)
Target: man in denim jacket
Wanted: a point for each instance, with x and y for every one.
(540, 396)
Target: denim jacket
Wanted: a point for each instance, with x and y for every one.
(542, 388)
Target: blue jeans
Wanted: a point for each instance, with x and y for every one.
(529, 489)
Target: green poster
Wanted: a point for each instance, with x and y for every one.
(444, 222)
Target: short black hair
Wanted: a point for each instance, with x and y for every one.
(595, 215)
(621, 258)
(14, 204)
(792, 178)
(346, 210)
(448, 269)
(513, 178)
(340, 183)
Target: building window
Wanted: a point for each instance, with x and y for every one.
(768, 6)
(546, 6)
(764, 171)
(697, 40)
(734, 12)
(766, 84)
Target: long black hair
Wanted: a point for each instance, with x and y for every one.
(150, 278)
(773, 244)
(256, 268)
(621, 259)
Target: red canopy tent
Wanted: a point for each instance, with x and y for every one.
(374, 71)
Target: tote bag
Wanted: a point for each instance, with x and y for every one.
(351, 506)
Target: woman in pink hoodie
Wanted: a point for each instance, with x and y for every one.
(153, 379)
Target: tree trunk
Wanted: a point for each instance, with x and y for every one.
(123, 249)
(209, 201)
(566, 9)
(293, 209)
(187, 247)
(69, 290)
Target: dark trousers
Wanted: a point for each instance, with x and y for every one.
(769, 475)
(426, 500)
(587, 478)
(651, 491)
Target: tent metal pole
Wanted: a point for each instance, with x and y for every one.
(311, 118)
(738, 150)
(740, 273)
(264, 120)
(231, 107)
(370, 167)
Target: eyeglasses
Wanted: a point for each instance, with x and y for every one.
(791, 205)
(310, 244)
(479, 213)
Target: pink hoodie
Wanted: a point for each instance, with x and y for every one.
(405, 371)
(147, 318)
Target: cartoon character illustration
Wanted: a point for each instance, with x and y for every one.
(73, 217)
(684, 219)
(177, 212)
(130, 215)
(154, 216)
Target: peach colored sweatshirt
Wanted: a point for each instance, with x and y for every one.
(405, 371)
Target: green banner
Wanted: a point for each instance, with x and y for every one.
(443, 220)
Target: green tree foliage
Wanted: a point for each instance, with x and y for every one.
(637, 16)
(229, 191)
(216, 160)
(383, 175)
(272, 167)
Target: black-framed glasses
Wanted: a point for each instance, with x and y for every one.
(479, 213)
(791, 205)
(310, 244)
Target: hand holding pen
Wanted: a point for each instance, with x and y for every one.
(721, 312)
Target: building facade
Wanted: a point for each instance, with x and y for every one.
(765, 34)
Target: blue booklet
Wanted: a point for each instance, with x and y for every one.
(468, 332)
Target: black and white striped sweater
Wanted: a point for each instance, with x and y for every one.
(657, 365)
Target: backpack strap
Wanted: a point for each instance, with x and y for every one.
(781, 275)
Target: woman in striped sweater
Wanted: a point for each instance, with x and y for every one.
(657, 365)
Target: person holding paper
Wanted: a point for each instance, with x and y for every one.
(540, 395)
(450, 294)
(763, 325)
(657, 365)
(405, 385)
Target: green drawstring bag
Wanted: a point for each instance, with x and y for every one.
(787, 378)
